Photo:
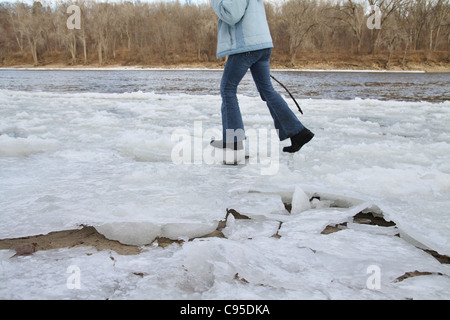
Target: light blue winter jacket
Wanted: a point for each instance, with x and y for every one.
(242, 26)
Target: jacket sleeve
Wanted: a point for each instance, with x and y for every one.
(230, 11)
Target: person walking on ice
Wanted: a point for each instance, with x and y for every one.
(244, 36)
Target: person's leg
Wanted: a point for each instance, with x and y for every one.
(235, 69)
(284, 119)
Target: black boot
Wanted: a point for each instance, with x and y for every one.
(299, 140)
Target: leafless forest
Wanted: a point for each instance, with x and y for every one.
(305, 33)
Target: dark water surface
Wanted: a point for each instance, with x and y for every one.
(432, 87)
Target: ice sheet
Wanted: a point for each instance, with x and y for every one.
(105, 160)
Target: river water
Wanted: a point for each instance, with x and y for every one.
(432, 87)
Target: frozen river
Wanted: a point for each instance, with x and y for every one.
(100, 148)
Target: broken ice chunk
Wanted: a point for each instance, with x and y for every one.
(300, 201)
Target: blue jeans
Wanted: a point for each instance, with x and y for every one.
(235, 69)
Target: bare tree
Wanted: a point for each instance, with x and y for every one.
(440, 19)
(16, 13)
(171, 32)
(301, 16)
(352, 14)
(102, 26)
(27, 24)
(387, 8)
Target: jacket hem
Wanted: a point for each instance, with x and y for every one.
(245, 49)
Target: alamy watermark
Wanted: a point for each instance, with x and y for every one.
(74, 20)
(373, 282)
(374, 20)
(74, 278)
(259, 147)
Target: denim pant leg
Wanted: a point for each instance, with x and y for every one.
(284, 118)
(235, 69)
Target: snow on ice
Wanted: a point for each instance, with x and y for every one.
(104, 160)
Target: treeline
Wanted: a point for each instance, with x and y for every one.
(137, 33)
